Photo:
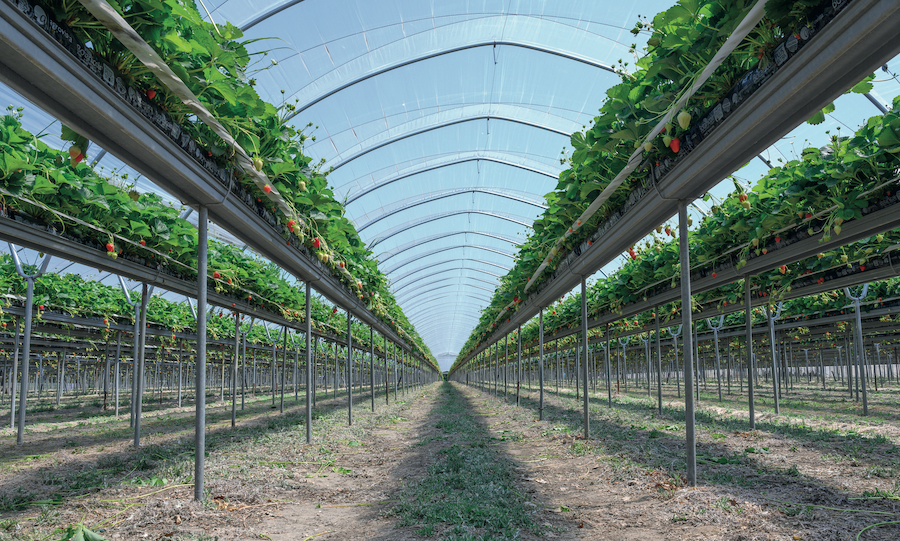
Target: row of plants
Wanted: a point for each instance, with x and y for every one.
(816, 193)
(681, 42)
(214, 63)
(106, 307)
(810, 309)
(43, 187)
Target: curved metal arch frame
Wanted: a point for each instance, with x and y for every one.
(431, 319)
(455, 278)
(457, 259)
(433, 217)
(492, 43)
(417, 243)
(433, 327)
(445, 249)
(447, 296)
(419, 293)
(438, 322)
(446, 124)
(451, 269)
(461, 304)
(460, 191)
(423, 170)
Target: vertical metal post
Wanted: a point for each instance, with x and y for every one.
(309, 365)
(584, 357)
(861, 375)
(505, 365)
(395, 371)
(691, 455)
(716, 342)
(284, 350)
(349, 370)
(518, 364)
(748, 317)
(26, 348)
(14, 380)
(180, 368)
(372, 365)
(775, 372)
(541, 363)
(237, 338)
(118, 357)
(387, 385)
(605, 347)
(200, 378)
(658, 363)
(139, 401)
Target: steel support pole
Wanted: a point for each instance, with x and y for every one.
(14, 380)
(284, 350)
(200, 379)
(372, 365)
(584, 357)
(658, 364)
(310, 368)
(118, 357)
(691, 455)
(775, 372)
(139, 400)
(518, 364)
(541, 364)
(505, 365)
(349, 370)
(237, 338)
(748, 320)
(861, 375)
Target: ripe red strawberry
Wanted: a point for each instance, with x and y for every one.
(267, 188)
(110, 247)
(316, 242)
(151, 94)
(589, 243)
(714, 275)
(808, 215)
(40, 307)
(291, 224)
(106, 322)
(334, 310)
(143, 242)
(216, 275)
(4, 324)
(862, 268)
(342, 264)
(675, 145)
(777, 239)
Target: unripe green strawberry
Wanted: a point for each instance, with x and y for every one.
(684, 119)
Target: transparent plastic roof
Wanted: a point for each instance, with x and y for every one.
(444, 122)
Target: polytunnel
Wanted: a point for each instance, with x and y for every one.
(399, 269)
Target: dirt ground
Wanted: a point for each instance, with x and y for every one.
(819, 471)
